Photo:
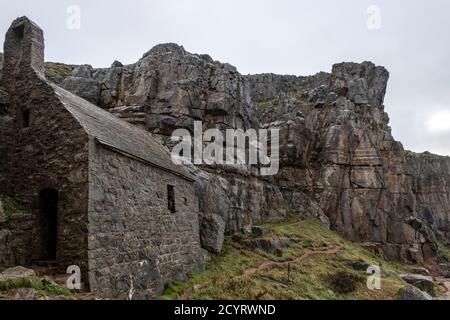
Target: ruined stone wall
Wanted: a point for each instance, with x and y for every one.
(136, 245)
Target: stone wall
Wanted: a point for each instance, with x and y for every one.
(51, 151)
(16, 241)
(6, 127)
(136, 245)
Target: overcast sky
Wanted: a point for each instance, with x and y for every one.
(410, 38)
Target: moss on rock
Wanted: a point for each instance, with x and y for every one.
(57, 72)
(11, 207)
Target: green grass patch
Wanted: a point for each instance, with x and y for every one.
(56, 72)
(443, 250)
(37, 283)
(227, 275)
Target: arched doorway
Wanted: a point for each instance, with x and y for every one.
(48, 208)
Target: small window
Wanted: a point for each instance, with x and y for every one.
(25, 118)
(171, 198)
(3, 110)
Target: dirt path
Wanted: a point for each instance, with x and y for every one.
(266, 264)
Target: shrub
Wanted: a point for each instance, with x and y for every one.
(344, 282)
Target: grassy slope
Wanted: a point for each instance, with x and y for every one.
(308, 279)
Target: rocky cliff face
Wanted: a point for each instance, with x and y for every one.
(339, 156)
(339, 161)
(431, 187)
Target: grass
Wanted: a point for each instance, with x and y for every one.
(271, 103)
(443, 251)
(42, 286)
(310, 278)
(56, 72)
(423, 155)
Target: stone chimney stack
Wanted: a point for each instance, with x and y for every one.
(23, 49)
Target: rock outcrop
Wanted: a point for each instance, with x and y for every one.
(339, 161)
(431, 187)
(339, 157)
(412, 293)
(422, 282)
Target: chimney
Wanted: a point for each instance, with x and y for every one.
(23, 49)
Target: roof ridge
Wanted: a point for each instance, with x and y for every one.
(117, 133)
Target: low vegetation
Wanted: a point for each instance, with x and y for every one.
(312, 267)
(443, 251)
(43, 286)
(57, 72)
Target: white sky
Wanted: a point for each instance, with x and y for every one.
(280, 36)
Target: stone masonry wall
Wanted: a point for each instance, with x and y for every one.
(50, 152)
(136, 245)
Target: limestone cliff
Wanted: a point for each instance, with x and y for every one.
(339, 161)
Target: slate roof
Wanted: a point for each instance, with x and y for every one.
(118, 134)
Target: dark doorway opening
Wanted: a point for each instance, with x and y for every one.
(48, 205)
(25, 118)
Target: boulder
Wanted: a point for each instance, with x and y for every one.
(412, 293)
(255, 231)
(419, 270)
(212, 232)
(358, 265)
(246, 230)
(420, 281)
(259, 231)
(390, 273)
(270, 245)
(16, 273)
(444, 270)
(25, 293)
